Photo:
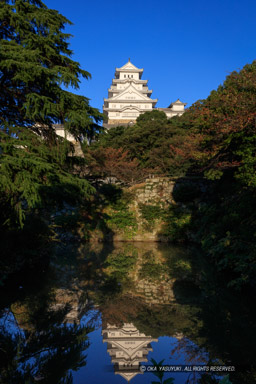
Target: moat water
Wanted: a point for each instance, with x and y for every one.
(109, 313)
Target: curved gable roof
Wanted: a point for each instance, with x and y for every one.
(129, 90)
(129, 67)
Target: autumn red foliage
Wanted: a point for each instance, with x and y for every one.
(116, 163)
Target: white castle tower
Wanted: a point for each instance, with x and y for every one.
(127, 348)
(129, 96)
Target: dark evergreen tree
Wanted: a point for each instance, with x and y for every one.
(35, 67)
(35, 64)
(36, 74)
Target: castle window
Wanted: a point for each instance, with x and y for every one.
(124, 75)
(132, 76)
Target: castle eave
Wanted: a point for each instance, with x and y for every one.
(128, 102)
(111, 90)
(136, 70)
(129, 80)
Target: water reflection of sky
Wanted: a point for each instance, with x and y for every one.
(8, 321)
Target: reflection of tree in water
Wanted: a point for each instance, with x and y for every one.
(176, 295)
(38, 341)
(202, 313)
(226, 319)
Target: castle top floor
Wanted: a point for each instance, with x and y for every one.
(128, 71)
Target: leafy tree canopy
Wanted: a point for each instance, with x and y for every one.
(35, 71)
(226, 121)
(35, 64)
(150, 142)
(154, 115)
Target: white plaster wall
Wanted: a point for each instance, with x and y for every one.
(130, 113)
(62, 133)
(138, 86)
(111, 115)
(132, 96)
(177, 107)
(127, 75)
(122, 86)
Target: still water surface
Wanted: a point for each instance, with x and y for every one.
(102, 311)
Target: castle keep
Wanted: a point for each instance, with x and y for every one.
(129, 96)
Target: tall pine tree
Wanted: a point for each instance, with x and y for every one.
(35, 73)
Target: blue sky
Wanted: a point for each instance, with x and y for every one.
(186, 48)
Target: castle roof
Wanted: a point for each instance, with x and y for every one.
(131, 91)
(129, 67)
(177, 102)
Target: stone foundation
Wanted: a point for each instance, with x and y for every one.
(154, 196)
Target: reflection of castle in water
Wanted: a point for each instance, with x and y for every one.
(127, 348)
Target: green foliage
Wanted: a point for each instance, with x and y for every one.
(154, 115)
(123, 220)
(111, 136)
(119, 265)
(150, 142)
(150, 213)
(35, 65)
(230, 242)
(34, 176)
(177, 223)
(223, 223)
(226, 122)
(36, 73)
(246, 144)
(182, 268)
(160, 374)
(120, 217)
(213, 174)
(150, 269)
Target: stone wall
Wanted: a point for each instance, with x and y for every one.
(154, 190)
(147, 216)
